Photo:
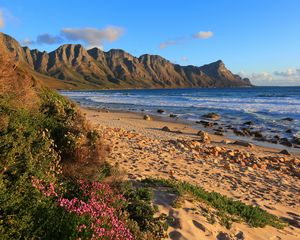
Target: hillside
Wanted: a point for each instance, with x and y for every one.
(71, 66)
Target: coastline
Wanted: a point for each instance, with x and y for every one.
(254, 175)
(194, 127)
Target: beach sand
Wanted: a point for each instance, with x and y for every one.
(255, 175)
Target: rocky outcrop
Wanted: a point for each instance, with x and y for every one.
(94, 68)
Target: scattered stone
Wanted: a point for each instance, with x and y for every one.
(240, 236)
(166, 129)
(173, 116)
(285, 152)
(160, 110)
(226, 141)
(223, 236)
(243, 143)
(228, 166)
(285, 142)
(205, 123)
(204, 137)
(147, 117)
(296, 140)
(219, 133)
(257, 134)
(213, 116)
(238, 132)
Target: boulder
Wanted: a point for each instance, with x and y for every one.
(147, 117)
(173, 116)
(296, 140)
(166, 129)
(285, 152)
(289, 119)
(285, 142)
(204, 137)
(160, 110)
(289, 131)
(243, 143)
(257, 134)
(213, 116)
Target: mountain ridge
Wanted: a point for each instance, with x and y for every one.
(71, 66)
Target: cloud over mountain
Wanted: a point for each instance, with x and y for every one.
(93, 37)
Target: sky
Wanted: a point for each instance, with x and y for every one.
(259, 39)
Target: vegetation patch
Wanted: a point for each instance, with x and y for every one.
(228, 209)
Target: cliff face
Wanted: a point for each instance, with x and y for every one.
(75, 67)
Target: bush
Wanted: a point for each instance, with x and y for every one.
(26, 151)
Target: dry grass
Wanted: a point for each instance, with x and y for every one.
(17, 84)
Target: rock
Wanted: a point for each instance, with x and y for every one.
(289, 119)
(257, 134)
(296, 140)
(243, 143)
(160, 110)
(285, 152)
(219, 133)
(204, 137)
(289, 131)
(228, 166)
(173, 116)
(226, 141)
(147, 117)
(213, 116)
(238, 132)
(248, 123)
(180, 145)
(223, 236)
(240, 236)
(285, 142)
(246, 131)
(166, 129)
(254, 166)
(205, 123)
(178, 131)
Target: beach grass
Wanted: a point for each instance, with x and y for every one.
(228, 209)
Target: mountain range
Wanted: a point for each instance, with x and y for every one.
(71, 66)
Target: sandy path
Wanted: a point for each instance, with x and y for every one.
(142, 149)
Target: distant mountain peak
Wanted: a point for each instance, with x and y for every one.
(116, 68)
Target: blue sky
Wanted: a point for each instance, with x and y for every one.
(255, 38)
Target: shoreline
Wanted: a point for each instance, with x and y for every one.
(197, 127)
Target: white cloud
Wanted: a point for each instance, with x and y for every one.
(91, 36)
(199, 35)
(168, 43)
(1, 19)
(290, 72)
(289, 77)
(203, 35)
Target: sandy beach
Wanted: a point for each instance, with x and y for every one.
(255, 175)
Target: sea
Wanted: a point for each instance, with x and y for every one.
(266, 107)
